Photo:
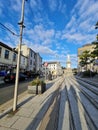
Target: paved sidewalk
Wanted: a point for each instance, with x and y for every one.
(30, 114)
(65, 105)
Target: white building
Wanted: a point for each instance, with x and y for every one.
(38, 62)
(55, 68)
(8, 58)
(68, 62)
(23, 63)
(45, 70)
(34, 59)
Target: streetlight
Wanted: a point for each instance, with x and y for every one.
(19, 55)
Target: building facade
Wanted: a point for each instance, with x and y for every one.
(8, 58)
(34, 59)
(90, 66)
(53, 68)
(38, 63)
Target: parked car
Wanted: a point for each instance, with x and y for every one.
(28, 74)
(3, 73)
(12, 77)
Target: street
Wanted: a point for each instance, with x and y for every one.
(70, 103)
(7, 90)
(7, 93)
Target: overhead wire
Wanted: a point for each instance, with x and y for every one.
(8, 29)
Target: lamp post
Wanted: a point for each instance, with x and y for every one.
(19, 55)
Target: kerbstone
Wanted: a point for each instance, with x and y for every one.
(8, 120)
(22, 123)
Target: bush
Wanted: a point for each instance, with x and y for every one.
(37, 82)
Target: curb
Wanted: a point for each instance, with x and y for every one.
(18, 105)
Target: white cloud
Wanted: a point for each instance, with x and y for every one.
(42, 49)
(53, 4)
(56, 5)
(40, 34)
(71, 22)
(61, 6)
(36, 5)
(80, 28)
(16, 5)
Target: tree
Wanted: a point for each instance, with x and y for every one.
(94, 53)
(84, 57)
(96, 26)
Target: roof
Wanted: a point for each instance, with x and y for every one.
(9, 48)
(6, 46)
(53, 62)
(89, 44)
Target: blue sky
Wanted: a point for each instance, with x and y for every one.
(54, 28)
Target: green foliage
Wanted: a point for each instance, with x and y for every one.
(36, 82)
(95, 52)
(84, 57)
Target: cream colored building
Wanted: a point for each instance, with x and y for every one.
(87, 47)
(28, 52)
(8, 58)
(55, 68)
(34, 59)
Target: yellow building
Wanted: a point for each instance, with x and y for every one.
(87, 47)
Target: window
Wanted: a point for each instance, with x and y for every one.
(30, 62)
(24, 60)
(80, 52)
(14, 57)
(0, 51)
(31, 53)
(6, 54)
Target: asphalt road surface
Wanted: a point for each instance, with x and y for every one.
(7, 90)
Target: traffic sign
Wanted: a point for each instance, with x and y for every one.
(45, 64)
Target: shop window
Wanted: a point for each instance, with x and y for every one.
(6, 54)
(0, 51)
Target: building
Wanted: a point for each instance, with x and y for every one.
(38, 63)
(45, 70)
(68, 62)
(8, 58)
(34, 59)
(54, 68)
(87, 47)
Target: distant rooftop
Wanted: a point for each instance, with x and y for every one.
(88, 44)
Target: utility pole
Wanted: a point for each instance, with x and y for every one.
(19, 56)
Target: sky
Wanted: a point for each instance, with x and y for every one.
(53, 28)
